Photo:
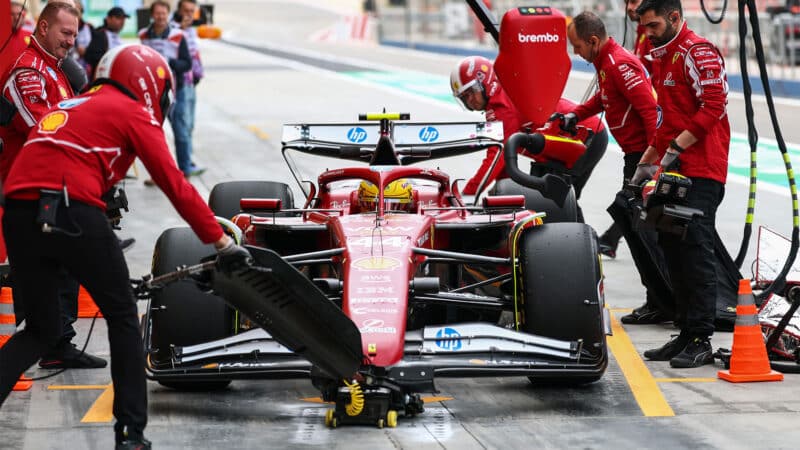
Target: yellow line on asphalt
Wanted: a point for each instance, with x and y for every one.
(101, 410)
(76, 387)
(261, 134)
(685, 380)
(644, 387)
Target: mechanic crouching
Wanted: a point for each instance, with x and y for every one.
(477, 88)
(692, 137)
(55, 218)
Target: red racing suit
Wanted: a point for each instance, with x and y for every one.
(34, 84)
(17, 43)
(642, 47)
(625, 95)
(498, 108)
(87, 144)
(692, 87)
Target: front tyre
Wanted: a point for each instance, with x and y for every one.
(561, 290)
(181, 313)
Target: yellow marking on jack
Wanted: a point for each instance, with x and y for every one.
(685, 380)
(76, 387)
(620, 310)
(102, 409)
(261, 134)
(644, 387)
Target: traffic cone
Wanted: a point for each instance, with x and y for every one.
(8, 325)
(86, 306)
(749, 360)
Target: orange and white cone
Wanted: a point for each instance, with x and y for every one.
(8, 325)
(749, 360)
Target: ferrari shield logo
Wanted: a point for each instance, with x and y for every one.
(53, 121)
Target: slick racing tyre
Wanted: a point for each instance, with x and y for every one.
(224, 197)
(561, 275)
(181, 313)
(535, 201)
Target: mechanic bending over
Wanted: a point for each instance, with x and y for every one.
(693, 138)
(477, 88)
(34, 84)
(629, 102)
(55, 218)
(609, 240)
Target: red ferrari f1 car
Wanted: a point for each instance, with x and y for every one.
(382, 281)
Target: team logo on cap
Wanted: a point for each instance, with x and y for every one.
(53, 121)
(161, 72)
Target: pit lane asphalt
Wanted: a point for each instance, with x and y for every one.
(244, 99)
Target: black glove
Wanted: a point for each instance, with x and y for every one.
(569, 122)
(644, 172)
(670, 161)
(232, 257)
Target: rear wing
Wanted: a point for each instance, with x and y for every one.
(412, 141)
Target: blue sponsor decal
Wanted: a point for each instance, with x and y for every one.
(52, 73)
(448, 339)
(356, 135)
(428, 134)
(659, 116)
(71, 103)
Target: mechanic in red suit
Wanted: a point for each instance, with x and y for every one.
(692, 136)
(642, 45)
(476, 86)
(79, 150)
(20, 36)
(609, 240)
(34, 84)
(629, 102)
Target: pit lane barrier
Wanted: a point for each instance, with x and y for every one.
(8, 325)
(350, 28)
(749, 360)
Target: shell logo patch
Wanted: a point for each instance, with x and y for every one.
(53, 121)
(161, 72)
(27, 40)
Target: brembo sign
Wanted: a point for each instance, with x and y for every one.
(538, 38)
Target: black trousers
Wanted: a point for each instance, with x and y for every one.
(95, 260)
(613, 234)
(68, 290)
(691, 261)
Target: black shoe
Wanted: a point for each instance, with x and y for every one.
(69, 357)
(138, 444)
(668, 350)
(126, 244)
(644, 315)
(697, 353)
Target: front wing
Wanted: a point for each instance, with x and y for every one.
(461, 350)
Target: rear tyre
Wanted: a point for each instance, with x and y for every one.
(535, 201)
(561, 277)
(181, 313)
(224, 197)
